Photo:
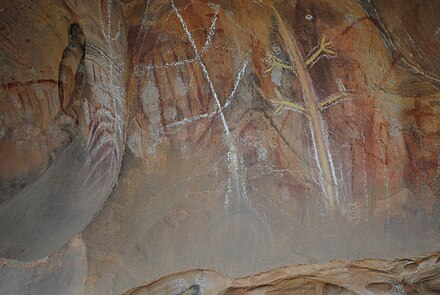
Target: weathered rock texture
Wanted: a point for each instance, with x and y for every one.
(64, 272)
(408, 276)
(258, 134)
(82, 99)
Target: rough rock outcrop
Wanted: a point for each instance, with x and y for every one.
(407, 276)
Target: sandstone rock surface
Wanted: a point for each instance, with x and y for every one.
(81, 99)
(238, 136)
(408, 276)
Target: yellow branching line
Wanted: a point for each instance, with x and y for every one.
(261, 2)
(324, 48)
(287, 104)
(272, 60)
(343, 93)
(284, 103)
(331, 99)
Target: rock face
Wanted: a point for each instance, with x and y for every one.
(408, 276)
(259, 134)
(82, 99)
(64, 272)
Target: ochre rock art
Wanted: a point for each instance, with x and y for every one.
(323, 156)
(142, 138)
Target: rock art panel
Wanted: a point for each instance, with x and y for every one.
(261, 134)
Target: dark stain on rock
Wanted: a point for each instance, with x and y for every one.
(70, 75)
(192, 290)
